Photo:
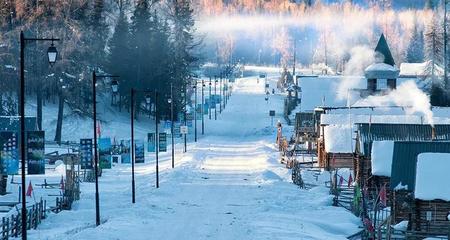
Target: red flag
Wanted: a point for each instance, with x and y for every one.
(383, 195)
(368, 225)
(341, 180)
(61, 184)
(29, 190)
(350, 180)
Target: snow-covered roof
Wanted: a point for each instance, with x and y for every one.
(381, 159)
(338, 119)
(418, 69)
(432, 176)
(338, 139)
(381, 70)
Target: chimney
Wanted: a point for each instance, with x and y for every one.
(433, 133)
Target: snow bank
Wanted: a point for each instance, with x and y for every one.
(413, 69)
(382, 153)
(432, 171)
(338, 139)
(329, 119)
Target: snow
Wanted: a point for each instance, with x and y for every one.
(432, 171)
(401, 226)
(338, 139)
(413, 69)
(378, 117)
(400, 186)
(381, 67)
(381, 159)
(381, 70)
(229, 185)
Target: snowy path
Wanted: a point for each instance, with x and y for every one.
(228, 186)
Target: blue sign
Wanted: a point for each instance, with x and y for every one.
(36, 152)
(104, 153)
(86, 153)
(162, 142)
(151, 142)
(139, 152)
(9, 153)
(125, 152)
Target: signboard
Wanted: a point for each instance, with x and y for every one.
(176, 129)
(162, 142)
(104, 153)
(125, 152)
(86, 153)
(36, 152)
(139, 155)
(184, 129)
(272, 113)
(9, 155)
(151, 142)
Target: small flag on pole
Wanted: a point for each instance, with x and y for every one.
(350, 180)
(383, 196)
(29, 190)
(341, 180)
(98, 129)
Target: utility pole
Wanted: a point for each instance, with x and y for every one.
(185, 115)
(203, 107)
(215, 97)
(210, 102)
(295, 55)
(445, 45)
(172, 125)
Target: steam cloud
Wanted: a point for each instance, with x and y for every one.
(361, 57)
(407, 94)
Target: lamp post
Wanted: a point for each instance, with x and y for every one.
(195, 111)
(220, 90)
(148, 100)
(210, 99)
(203, 107)
(52, 55)
(215, 97)
(170, 101)
(94, 103)
(185, 116)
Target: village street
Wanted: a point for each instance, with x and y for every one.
(229, 185)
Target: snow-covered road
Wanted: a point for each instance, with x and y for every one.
(228, 185)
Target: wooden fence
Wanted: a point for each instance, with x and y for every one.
(11, 227)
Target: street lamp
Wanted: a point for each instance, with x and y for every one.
(185, 116)
(148, 100)
(210, 99)
(215, 97)
(195, 111)
(115, 90)
(94, 102)
(203, 107)
(52, 54)
(170, 101)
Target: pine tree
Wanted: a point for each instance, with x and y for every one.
(414, 53)
(183, 45)
(118, 60)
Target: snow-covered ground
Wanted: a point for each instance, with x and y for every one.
(229, 185)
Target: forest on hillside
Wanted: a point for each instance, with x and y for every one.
(149, 44)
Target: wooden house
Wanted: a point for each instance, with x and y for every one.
(379, 135)
(432, 195)
(418, 195)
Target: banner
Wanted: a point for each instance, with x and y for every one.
(139, 154)
(176, 130)
(151, 142)
(86, 153)
(125, 152)
(162, 142)
(104, 153)
(9, 155)
(36, 152)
